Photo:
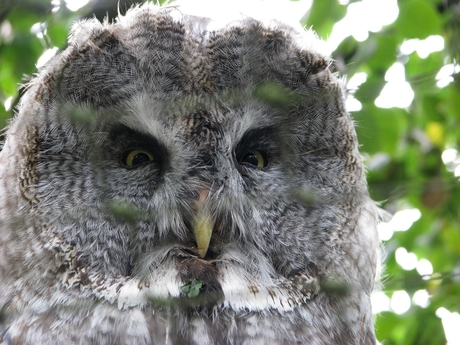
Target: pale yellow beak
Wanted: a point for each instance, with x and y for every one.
(202, 224)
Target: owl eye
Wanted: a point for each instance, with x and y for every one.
(137, 157)
(255, 158)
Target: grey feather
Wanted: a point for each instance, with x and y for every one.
(241, 130)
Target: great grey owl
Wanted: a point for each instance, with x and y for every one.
(169, 182)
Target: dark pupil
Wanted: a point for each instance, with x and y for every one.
(251, 158)
(140, 158)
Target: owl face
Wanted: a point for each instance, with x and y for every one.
(161, 162)
(150, 184)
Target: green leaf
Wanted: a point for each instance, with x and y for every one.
(273, 93)
(123, 210)
(192, 288)
(379, 130)
(385, 51)
(323, 15)
(418, 19)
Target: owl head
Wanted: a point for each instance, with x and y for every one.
(160, 160)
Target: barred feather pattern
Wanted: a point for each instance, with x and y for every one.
(144, 125)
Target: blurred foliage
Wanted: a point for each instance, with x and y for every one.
(409, 143)
(403, 146)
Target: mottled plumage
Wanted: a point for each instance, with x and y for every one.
(163, 183)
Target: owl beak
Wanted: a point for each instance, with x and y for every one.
(202, 224)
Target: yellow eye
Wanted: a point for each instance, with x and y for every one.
(136, 157)
(255, 158)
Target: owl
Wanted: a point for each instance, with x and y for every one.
(168, 180)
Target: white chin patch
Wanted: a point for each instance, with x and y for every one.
(283, 294)
(240, 294)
